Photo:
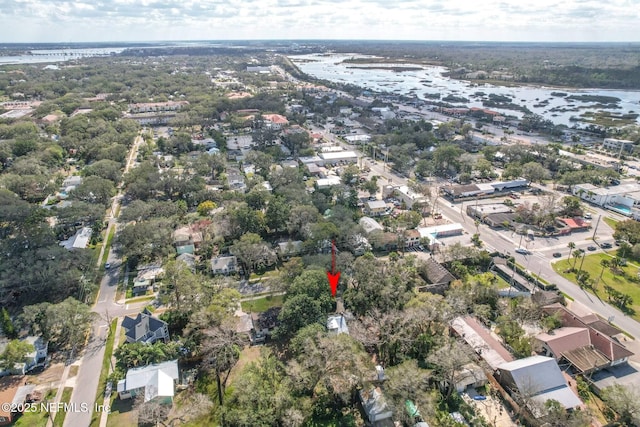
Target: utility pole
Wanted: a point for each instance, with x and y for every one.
(596, 229)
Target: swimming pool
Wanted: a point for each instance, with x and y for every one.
(624, 210)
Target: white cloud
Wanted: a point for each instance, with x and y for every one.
(501, 20)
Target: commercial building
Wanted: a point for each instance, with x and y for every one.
(376, 208)
(483, 189)
(337, 157)
(618, 145)
(623, 199)
(436, 232)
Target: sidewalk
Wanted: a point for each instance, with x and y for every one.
(56, 400)
(105, 404)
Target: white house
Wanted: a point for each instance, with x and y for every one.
(155, 381)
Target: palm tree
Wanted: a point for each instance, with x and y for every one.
(571, 246)
(576, 255)
(605, 263)
(614, 264)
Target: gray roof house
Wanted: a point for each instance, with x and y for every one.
(155, 381)
(540, 379)
(337, 324)
(224, 264)
(375, 407)
(145, 328)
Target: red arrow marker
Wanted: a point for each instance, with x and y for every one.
(333, 276)
(333, 282)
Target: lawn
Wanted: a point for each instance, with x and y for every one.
(36, 418)
(592, 265)
(58, 421)
(262, 304)
(610, 222)
(122, 413)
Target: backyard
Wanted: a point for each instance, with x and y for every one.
(618, 282)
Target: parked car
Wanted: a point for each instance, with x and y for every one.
(557, 254)
(591, 248)
(587, 216)
(606, 245)
(107, 265)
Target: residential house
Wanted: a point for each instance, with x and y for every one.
(412, 238)
(375, 407)
(224, 265)
(291, 248)
(235, 180)
(145, 328)
(188, 235)
(537, 379)
(600, 336)
(80, 240)
(358, 244)
(436, 275)
(146, 276)
(370, 224)
(275, 121)
(573, 345)
(470, 375)
(481, 340)
(36, 357)
(376, 208)
(337, 324)
(13, 391)
(188, 259)
(152, 381)
(264, 324)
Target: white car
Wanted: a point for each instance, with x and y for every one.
(522, 251)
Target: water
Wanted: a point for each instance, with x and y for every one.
(429, 79)
(59, 55)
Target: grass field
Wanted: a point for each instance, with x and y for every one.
(262, 304)
(610, 222)
(619, 283)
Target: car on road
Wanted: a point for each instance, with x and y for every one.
(557, 254)
(522, 251)
(606, 245)
(107, 265)
(591, 248)
(587, 216)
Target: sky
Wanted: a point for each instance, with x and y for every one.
(482, 20)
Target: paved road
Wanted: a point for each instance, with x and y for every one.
(84, 393)
(540, 261)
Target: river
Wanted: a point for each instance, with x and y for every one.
(59, 55)
(429, 80)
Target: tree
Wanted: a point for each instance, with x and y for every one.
(15, 352)
(138, 354)
(205, 207)
(263, 387)
(64, 324)
(556, 415)
(183, 287)
(253, 252)
(605, 263)
(447, 360)
(277, 214)
(534, 172)
(571, 246)
(298, 312)
(151, 412)
(220, 352)
(94, 189)
(625, 401)
(446, 159)
(628, 230)
(6, 325)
